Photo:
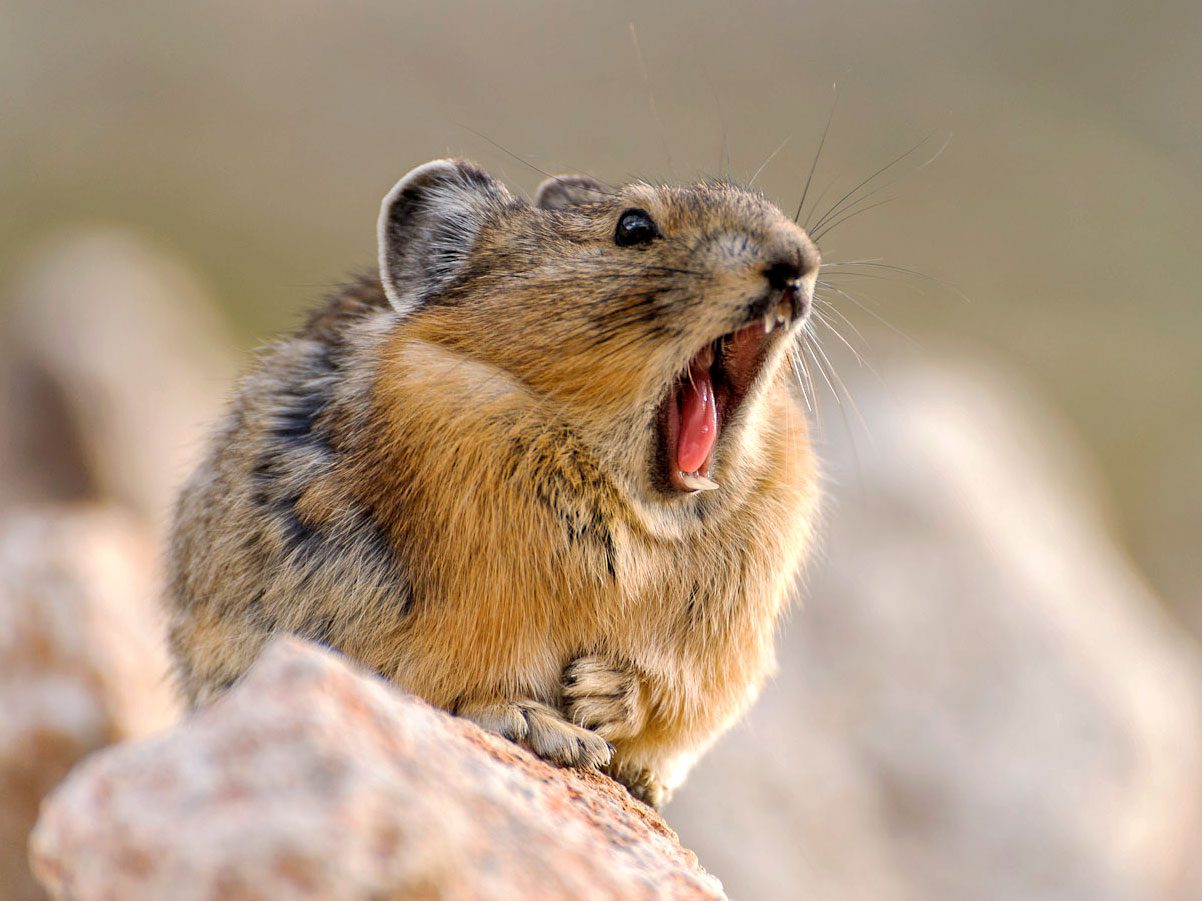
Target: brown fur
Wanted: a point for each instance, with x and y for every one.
(453, 478)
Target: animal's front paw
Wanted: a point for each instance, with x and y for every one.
(604, 697)
(543, 730)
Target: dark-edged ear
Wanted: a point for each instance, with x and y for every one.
(562, 191)
(428, 224)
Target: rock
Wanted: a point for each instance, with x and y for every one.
(82, 661)
(111, 370)
(980, 696)
(311, 780)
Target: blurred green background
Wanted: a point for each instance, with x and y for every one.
(255, 139)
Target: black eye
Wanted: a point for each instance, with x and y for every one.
(635, 227)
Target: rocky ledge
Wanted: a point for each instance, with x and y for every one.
(312, 780)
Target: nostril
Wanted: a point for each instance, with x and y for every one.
(782, 275)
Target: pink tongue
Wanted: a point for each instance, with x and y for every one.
(698, 420)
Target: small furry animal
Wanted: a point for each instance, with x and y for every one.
(547, 470)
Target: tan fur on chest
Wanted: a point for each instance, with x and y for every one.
(530, 556)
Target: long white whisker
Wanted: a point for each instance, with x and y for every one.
(828, 264)
(814, 165)
(878, 264)
(874, 314)
(818, 316)
(846, 392)
(792, 356)
(811, 346)
(771, 157)
(839, 204)
(823, 362)
(819, 300)
(851, 213)
(800, 356)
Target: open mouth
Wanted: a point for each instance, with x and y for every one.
(708, 392)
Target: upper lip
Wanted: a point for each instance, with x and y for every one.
(782, 307)
(777, 312)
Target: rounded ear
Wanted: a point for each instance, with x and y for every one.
(562, 191)
(428, 224)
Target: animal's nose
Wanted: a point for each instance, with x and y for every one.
(785, 277)
(782, 275)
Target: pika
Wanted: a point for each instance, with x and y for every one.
(548, 469)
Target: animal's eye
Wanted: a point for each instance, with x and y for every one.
(635, 227)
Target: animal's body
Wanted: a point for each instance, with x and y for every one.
(489, 473)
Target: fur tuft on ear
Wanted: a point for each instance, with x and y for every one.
(428, 224)
(562, 191)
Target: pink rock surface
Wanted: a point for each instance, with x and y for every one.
(312, 780)
(82, 662)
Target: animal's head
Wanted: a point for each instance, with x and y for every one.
(656, 318)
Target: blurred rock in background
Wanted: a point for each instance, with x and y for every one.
(112, 365)
(82, 658)
(980, 697)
